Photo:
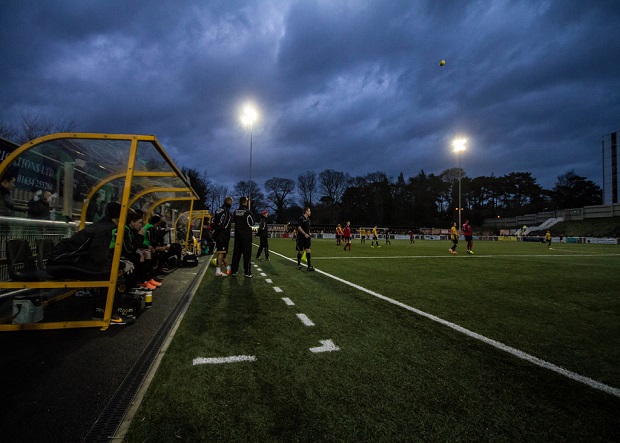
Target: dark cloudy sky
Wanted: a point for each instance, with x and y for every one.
(353, 86)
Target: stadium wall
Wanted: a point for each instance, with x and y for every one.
(598, 211)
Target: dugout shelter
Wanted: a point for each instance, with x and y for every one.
(82, 172)
(195, 221)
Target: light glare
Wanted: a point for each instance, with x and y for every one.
(249, 115)
(459, 144)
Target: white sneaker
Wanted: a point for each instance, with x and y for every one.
(220, 274)
(139, 292)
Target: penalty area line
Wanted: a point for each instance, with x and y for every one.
(494, 343)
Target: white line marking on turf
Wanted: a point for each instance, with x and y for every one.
(450, 256)
(219, 360)
(257, 268)
(268, 280)
(328, 346)
(305, 320)
(496, 344)
(288, 301)
(262, 274)
(277, 289)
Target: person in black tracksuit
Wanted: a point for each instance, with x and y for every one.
(243, 238)
(221, 235)
(263, 235)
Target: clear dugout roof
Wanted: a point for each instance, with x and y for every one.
(99, 162)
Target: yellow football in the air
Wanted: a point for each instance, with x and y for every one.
(441, 63)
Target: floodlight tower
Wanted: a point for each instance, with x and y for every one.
(248, 117)
(458, 146)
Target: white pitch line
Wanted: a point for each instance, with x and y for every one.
(305, 320)
(262, 274)
(402, 257)
(277, 289)
(268, 280)
(327, 346)
(288, 301)
(496, 344)
(219, 360)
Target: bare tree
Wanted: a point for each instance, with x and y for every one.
(333, 184)
(33, 125)
(8, 132)
(242, 188)
(307, 186)
(279, 190)
(216, 196)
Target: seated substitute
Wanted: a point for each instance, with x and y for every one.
(153, 240)
(134, 251)
(87, 254)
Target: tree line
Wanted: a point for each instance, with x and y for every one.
(423, 200)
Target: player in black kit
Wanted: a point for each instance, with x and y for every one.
(303, 239)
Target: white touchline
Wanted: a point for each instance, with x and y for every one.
(328, 346)
(268, 280)
(219, 360)
(305, 320)
(288, 301)
(277, 289)
(496, 344)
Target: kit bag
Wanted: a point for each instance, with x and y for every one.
(190, 260)
(27, 310)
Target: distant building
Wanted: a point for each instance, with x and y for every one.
(611, 186)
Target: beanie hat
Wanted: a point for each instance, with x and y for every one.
(133, 215)
(113, 210)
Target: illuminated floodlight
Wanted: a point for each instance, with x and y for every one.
(458, 144)
(248, 117)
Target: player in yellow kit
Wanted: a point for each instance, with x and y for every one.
(454, 236)
(375, 238)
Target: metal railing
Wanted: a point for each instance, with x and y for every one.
(587, 212)
(30, 230)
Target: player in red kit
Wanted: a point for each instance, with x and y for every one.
(338, 235)
(468, 234)
(346, 233)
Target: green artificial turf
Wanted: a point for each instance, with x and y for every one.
(398, 375)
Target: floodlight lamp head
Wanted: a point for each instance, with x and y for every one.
(249, 115)
(458, 144)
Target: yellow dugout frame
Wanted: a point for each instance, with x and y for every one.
(131, 167)
(191, 217)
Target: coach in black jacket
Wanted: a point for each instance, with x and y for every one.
(243, 238)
